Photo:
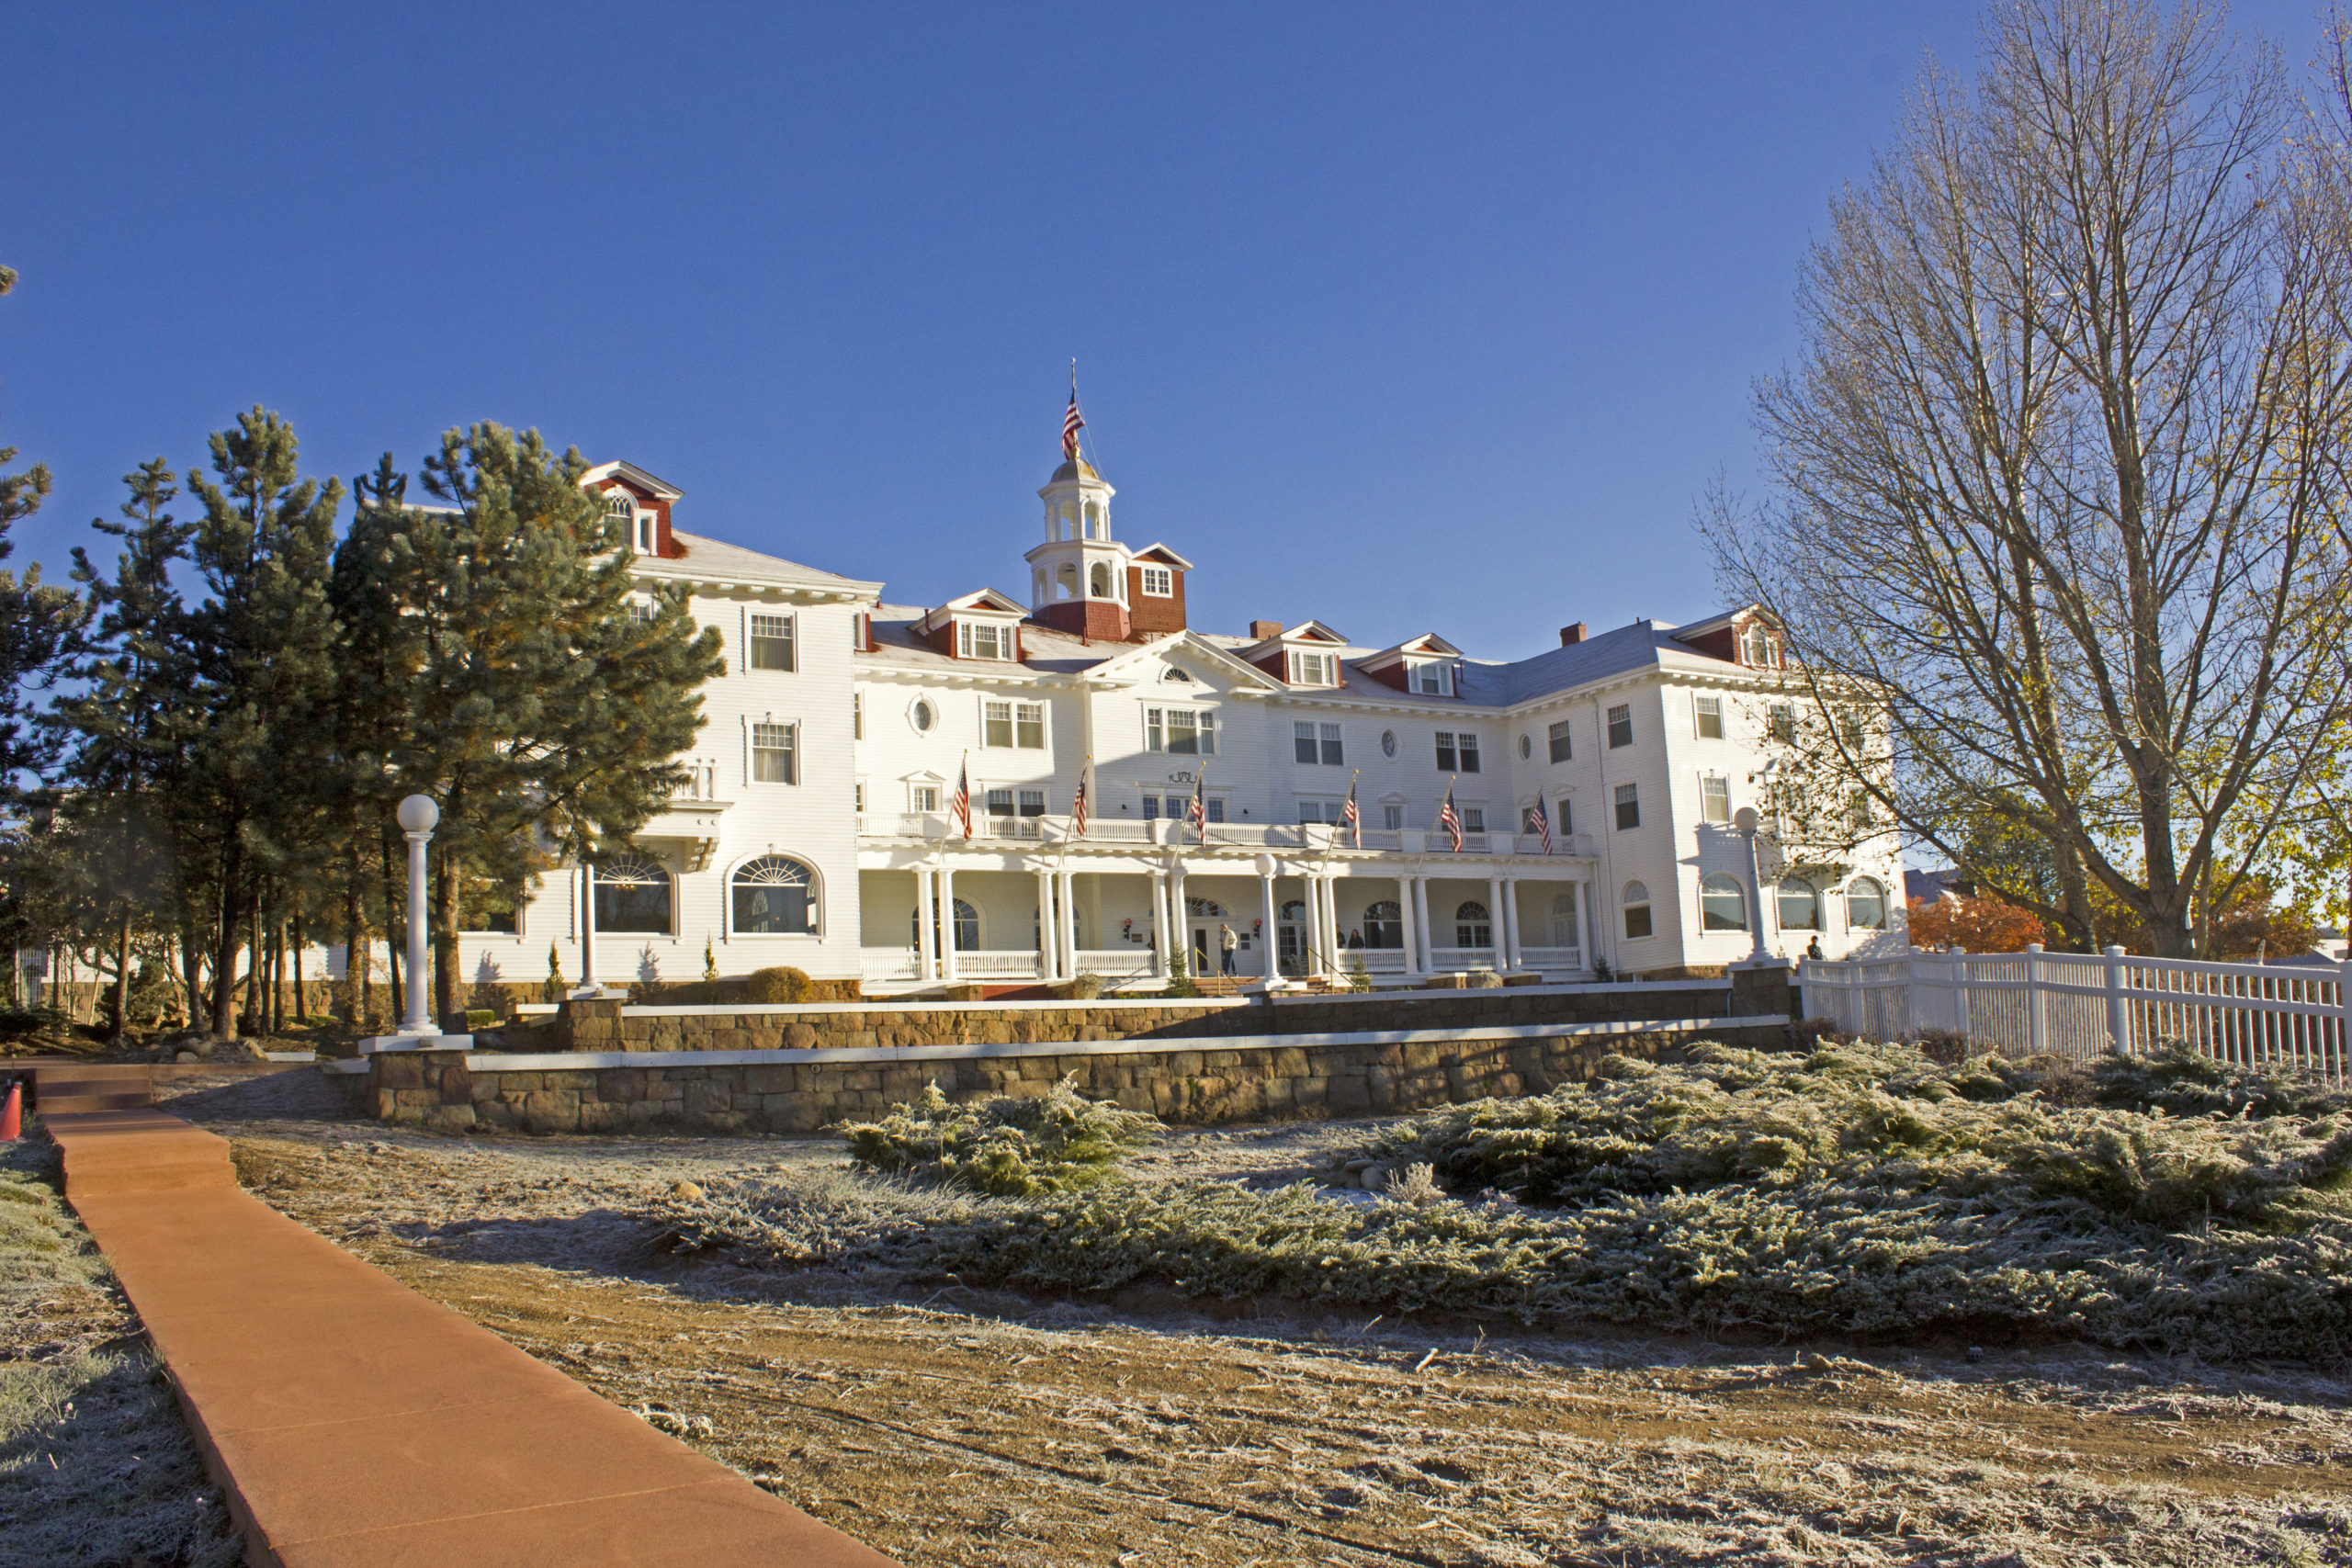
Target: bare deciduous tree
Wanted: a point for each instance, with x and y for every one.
(2060, 473)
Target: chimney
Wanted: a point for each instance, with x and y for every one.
(1262, 630)
(1571, 635)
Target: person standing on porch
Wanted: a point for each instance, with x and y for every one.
(1226, 943)
(1813, 948)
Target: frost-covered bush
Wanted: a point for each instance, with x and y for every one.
(1008, 1147)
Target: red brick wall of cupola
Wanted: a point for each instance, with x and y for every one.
(1150, 616)
(664, 544)
(1099, 620)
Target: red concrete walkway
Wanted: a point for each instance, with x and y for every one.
(353, 1424)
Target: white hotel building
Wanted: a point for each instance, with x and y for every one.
(818, 831)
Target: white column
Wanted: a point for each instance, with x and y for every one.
(1430, 943)
(417, 815)
(1049, 929)
(923, 955)
(1413, 964)
(1266, 941)
(946, 922)
(1509, 935)
(1066, 929)
(1331, 914)
(587, 929)
(1160, 924)
(1588, 926)
(1495, 922)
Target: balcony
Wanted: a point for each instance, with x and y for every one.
(692, 818)
(1294, 837)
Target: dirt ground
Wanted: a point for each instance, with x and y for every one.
(947, 1426)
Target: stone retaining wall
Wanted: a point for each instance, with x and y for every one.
(1199, 1083)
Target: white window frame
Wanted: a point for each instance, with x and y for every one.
(857, 715)
(1619, 712)
(791, 639)
(753, 725)
(1159, 732)
(1310, 667)
(1001, 635)
(920, 807)
(1428, 678)
(1164, 578)
(1027, 717)
(990, 720)
(1392, 817)
(1702, 708)
(1559, 741)
(1720, 790)
(1474, 817)
(1626, 795)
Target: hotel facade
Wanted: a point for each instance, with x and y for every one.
(819, 827)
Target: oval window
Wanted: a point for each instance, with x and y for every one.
(1389, 743)
(923, 716)
(1526, 747)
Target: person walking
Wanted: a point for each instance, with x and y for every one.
(1812, 949)
(1226, 943)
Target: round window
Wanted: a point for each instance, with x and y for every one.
(1389, 743)
(923, 716)
(1526, 747)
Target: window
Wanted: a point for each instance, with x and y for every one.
(1447, 761)
(1383, 925)
(1391, 818)
(1456, 753)
(774, 754)
(1100, 580)
(1029, 726)
(996, 723)
(1389, 743)
(1182, 732)
(632, 895)
(1316, 744)
(1858, 812)
(1157, 583)
(1472, 925)
(983, 639)
(645, 533)
(1784, 722)
(1179, 808)
(1014, 813)
(968, 927)
(1563, 919)
(1711, 718)
(1800, 906)
(774, 896)
(1628, 806)
(857, 715)
(1563, 748)
(1722, 904)
(923, 716)
(640, 612)
(1429, 679)
(1151, 809)
(1527, 821)
(1301, 741)
(1565, 818)
(1621, 726)
(1715, 798)
(1763, 651)
(1319, 811)
(1468, 746)
(1474, 818)
(1866, 905)
(1637, 911)
(924, 797)
(771, 642)
(492, 910)
(1313, 670)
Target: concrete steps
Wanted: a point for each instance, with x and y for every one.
(137, 1149)
(73, 1089)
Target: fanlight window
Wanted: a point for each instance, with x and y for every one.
(1800, 906)
(775, 896)
(1473, 927)
(1383, 925)
(633, 895)
(1204, 909)
(1722, 904)
(1866, 905)
(968, 927)
(1637, 911)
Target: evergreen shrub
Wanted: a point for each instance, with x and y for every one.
(1009, 1148)
(780, 984)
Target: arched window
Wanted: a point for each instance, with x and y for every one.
(775, 896)
(1637, 911)
(1473, 927)
(1383, 924)
(968, 927)
(1065, 583)
(1722, 904)
(1102, 579)
(1800, 907)
(1866, 905)
(1761, 652)
(1070, 521)
(1037, 586)
(1204, 909)
(1564, 919)
(1094, 529)
(632, 895)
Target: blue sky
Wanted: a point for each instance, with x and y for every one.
(1410, 318)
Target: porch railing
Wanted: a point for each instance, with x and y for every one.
(2073, 1004)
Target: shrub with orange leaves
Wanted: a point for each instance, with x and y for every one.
(1979, 925)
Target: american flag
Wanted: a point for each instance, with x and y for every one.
(1350, 815)
(1199, 814)
(962, 807)
(1085, 794)
(1543, 824)
(1450, 820)
(1072, 422)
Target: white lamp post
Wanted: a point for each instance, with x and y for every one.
(417, 817)
(1744, 821)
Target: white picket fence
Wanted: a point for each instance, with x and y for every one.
(2073, 1004)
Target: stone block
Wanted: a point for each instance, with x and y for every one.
(799, 1037)
(387, 1102)
(494, 1114)
(551, 1110)
(1380, 1088)
(621, 1085)
(770, 1078)
(602, 1116)
(487, 1087)
(1288, 1061)
(706, 1099)
(399, 1070)
(417, 1100)
(457, 1087)
(446, 1118)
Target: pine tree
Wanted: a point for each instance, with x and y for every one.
(260, 675)
(536, 710)
(38, 625)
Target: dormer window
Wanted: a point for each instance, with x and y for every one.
(1158, 582)
(1429, 679)
(1763, 649)
(620, 510)
(1314, 669)
(983, 639)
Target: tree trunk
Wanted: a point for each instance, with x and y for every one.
(393, 929)
(445, 936)
(302, 1003)
(122, 977)
(359, 953)
(227, 943)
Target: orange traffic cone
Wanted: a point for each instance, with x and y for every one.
(12, 1119)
